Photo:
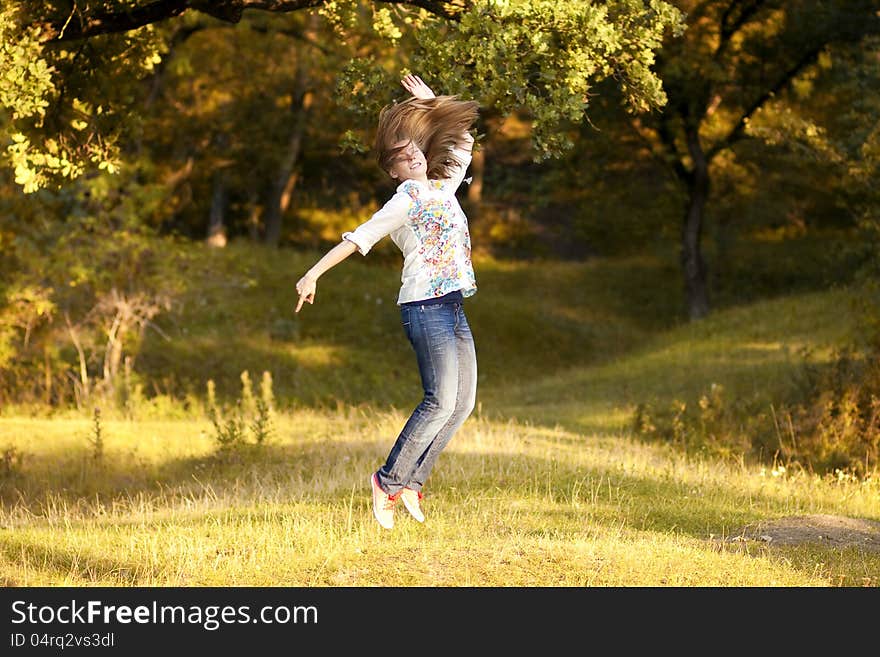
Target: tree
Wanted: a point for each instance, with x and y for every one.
(71, 71)
(737, 57)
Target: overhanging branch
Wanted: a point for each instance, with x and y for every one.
(448, 10)
(87, 24)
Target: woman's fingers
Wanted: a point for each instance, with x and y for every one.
(417, 87)
(306, 289)
(303, 298)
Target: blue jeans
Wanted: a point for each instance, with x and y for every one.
(447, 360)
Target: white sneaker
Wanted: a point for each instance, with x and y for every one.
(411, 499)
(383, 504)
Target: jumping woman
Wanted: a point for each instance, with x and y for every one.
(424, 144)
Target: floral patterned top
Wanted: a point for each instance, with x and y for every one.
(428, 225)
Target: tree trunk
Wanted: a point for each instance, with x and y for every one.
(81, 389)
(478, 167)
(113, 351)
(47, 376)
(254, 214)
(217, 217)
(282, 187)
(693, 265)
(281, 191)
(474, 198)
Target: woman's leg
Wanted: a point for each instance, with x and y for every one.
(466, 396)
(434, 333)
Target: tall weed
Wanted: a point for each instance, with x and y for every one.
(249, 414)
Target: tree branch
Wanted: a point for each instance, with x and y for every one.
(729, 26)
(736, 133)
(854, 25)
(662, 149)
(448, 10)
(667, 138)
(88, 24)
(294, 34)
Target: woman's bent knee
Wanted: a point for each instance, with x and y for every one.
(438, 408)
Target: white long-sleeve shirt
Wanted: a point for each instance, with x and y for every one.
(428, 225)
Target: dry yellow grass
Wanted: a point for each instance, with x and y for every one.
(509, 504)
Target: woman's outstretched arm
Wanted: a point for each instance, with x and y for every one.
(306, 286)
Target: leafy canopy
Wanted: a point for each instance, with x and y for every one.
(71, 82)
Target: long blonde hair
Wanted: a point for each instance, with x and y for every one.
(435, 125)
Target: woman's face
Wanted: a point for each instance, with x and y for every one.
(410, 163)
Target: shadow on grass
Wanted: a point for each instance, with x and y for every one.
(65, 562)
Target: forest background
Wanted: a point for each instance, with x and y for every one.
(172, 168)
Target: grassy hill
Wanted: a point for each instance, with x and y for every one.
(238, 315)
(536, 325)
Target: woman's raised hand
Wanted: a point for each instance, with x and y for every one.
(417, 87)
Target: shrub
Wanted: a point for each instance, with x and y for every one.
(837, 425)
(708, 423)
(10, 462)
(833, 427)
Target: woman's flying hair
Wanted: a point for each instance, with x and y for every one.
(436, 125)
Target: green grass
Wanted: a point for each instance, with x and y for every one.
(349, 346)
(756, 352)
(545, 485)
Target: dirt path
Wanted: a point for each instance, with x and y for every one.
(829, 530)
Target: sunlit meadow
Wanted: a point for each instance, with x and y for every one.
(546, 484)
